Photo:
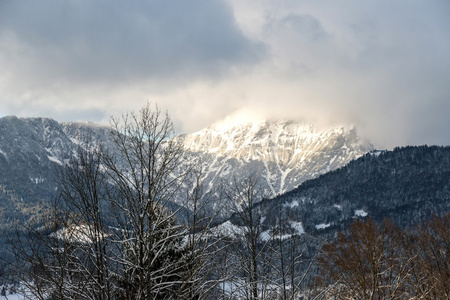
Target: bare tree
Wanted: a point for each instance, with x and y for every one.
(83, 192)
(199, 276)
(120, 235)
(290, 266)
(260, 264)
(368, 262)
(41, 266)
(247, 249)
(432, 272)
(67, 256)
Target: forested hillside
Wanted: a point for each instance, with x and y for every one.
(408, 184)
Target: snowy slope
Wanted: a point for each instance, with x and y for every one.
(32, 149)
(285, 153)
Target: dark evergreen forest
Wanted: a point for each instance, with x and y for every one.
(407, 185)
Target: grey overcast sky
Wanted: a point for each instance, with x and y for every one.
(382, 65)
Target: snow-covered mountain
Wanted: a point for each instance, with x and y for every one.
(31, 150)
(285, 153)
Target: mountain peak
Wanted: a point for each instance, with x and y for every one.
(237, 139)
(284, 152)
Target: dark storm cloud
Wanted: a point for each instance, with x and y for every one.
(122, 40)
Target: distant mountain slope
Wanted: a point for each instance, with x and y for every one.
(31, 150)
(285, 153)
(407, 185)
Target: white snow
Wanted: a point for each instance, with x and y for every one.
(283, 178)
(4, 154)
(266, 235)
(280, 150)
(267, 176)
(54, 159)
(360, 213)
(283, 237)
(19, 292)
(14, 297)
(297, 226)
(376, 152)
(76, 233)
(228, 229)
(338, 206)
(323, 226)
(331, 162)
(37, 180)
(293, 204)
(76, 141)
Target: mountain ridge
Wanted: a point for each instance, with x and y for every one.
(286, 152)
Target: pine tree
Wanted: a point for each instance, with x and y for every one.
(154, 262)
